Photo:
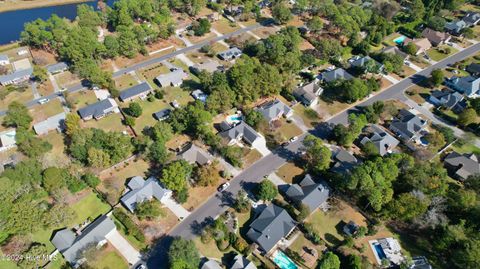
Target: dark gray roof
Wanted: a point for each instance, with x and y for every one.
(194, 154)
(150, 188)
(241, 130)
(274, 110)
(382, 140)
(240, 262)
(16, 75)
(211, 264)
(473, 68)
(465, 164)
(97, 109)
(447, 98)
(339, 73)
(224, 126)
(407, 125)
(273, 224)
(162, 114)
(360, 62)
(308, 93)
(471, 18)
(455, 26)
(58, 67)
(135, 90)
(308, 192)
(344, 161)
(420, 263)
(92, 234)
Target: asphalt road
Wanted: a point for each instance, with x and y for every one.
(81, 86)
(249, 177)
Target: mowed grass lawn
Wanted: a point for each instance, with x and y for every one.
(109, 258)
(288, 130)
(42, 112)
(112, 122)
(436, 55)
(147, 119)
(125, 81)
(224, 26)
(89, 206)
(81, 99)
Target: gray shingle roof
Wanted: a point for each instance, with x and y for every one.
(63, 239)
(195, 154)
(92, 234)
(274, 110)
(162, 114)
(150, 188)
(360, 62)
(16, 75)
(240, 262)
(448, 99)
(308, 93)
(97, 109)
(465, 164)
(382, 140)
(231, 53)
(52, 123)
(471, 18)
(394, 50)
(58, 67)
(173, 78)
(138, 89)
(339, 73)
(345, 161)
(273, 224)
(241, 130)
(308, 192)
(473, 68)
(407, 125)
(211, 264)
(455, 26)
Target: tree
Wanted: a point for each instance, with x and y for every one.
(98, 158)
(134, 109)
(175, 175)
(408, 206)
(369, 149)
(435, 140)
(241, 203)
(157, 152)
(468, 32)
(72, 123)
(53, 179)
(436, 23)
(411, 48)
(467, 117)
(317, 155)
(417, 10)
(281, 13)
(437, 77)
(91, 180)
(130, 121)
(201, 27)
(315, 24)
(233, 155)
(354, 261)
(29, 144)
(39, 73)
(148, 210)
(266, 190)
(253, 118)
(329, 261)
(182, 254)
(17, 116)
(208, 175)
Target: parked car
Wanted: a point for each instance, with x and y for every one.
(43, 101)
(293, 139)
(223, 187)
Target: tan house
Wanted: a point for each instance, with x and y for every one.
(422, 45)
(436, 38)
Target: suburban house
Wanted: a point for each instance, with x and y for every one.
(71, 245)
(199, 95)
(16, 77)
(4, 59)
(455, 27)
(394, 50)
(387, 248)
(448, 99)
(307, 192)
(362, 63)
(57, 68)
(140, 90)
(211, 264)
(351, 228)
(275, 110)
(240, 262)
(469, 85)
(308, 94)
(209, 66)
(174, 78)
(99, 109)
(7, 139)
(383, 141)
(336, 74)
(143, 190)
(422, 45)
(270, 227)
(56, 122)
(474, 69)
(344, 161)
(471, 18)
(193, 154)
(408, 126)
(162, 114)
(243, 132)
(461, 166)
(436, 38)
(230, 54)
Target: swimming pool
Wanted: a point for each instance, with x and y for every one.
(234, 118)
(399, 40)
(283, 261)
(380, 253)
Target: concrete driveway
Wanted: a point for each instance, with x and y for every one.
(123, 246)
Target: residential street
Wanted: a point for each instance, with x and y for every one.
(217, 204)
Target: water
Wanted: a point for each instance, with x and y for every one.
(283, 261)
(11, 22)
(380, 253)
(399, 40)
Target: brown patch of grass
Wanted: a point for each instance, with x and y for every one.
(66, 78)
(251, 157)
(46, 88)
(289, 171)
(197, 195)
(42, 112)
(125, 81)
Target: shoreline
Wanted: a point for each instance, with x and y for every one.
(9, 5)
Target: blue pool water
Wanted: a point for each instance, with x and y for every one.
(234, 118)
(399, 40)
(283, 261)
(380, 252)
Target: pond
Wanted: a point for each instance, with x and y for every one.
(11, 22)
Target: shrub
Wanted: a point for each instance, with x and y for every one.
(91, 180)
(129, 225)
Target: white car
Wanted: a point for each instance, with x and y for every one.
(293, 139)
(43, 101)
(224, 186)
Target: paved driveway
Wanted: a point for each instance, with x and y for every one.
(123, 246)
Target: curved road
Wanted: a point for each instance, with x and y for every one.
(247, 179)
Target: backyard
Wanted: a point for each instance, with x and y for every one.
(112, 122)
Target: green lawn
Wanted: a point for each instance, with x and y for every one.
(325, 224)
(130, 238)
(112, 122)
(465, 148)
(109, 259)
(82, 98)
(125, 81)
(5, 264)
(436, 55)
(288, 130)
(224, 26)
(210, 249)
(89, 207)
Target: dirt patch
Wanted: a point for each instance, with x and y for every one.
(197, 195)
(42, 57)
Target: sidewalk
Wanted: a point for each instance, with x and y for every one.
(391, 79)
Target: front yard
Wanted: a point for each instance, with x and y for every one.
(125, 81)
(224, 26)
(438, 54)
(42, 112)
(290, 173)
(112, 122)
(81, 99)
